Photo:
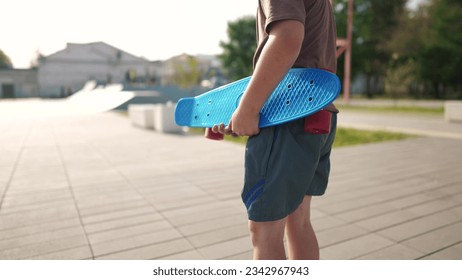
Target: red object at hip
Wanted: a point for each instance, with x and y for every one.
(319, 122)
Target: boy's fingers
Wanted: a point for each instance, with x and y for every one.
(221, 128)
(229, 129)
(218, 128)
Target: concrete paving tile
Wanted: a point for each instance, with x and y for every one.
(122, 222)
(208, 179)
(172, 205)
(226, 249)
(175, 194)
(30, 163)
(147, 185)
(43, 248)
(365, 213)
(209, 207)
(37, 187)
(151, 252)
(339, 234)
(34, 183)
(225, 195)
(422, 225)
(79, 253)
(117, 214)
(394, 252)
(242, 256)
(38, 206)
(450, 253)
(15, 220)
(413, 200)
(434, 206)
(142, 171)
(23, 241)
(106, 208)
(386, 220)
(164, 185)
(108, 198)
(108, 176)
(101, 237)
(219, 235)
(133, 242)
(51, 166)
(211, 224)
(439, 238)
(198, 213)
(189, 255)
(99, 202)
(327, 222)
(316, 214)
(92, 188)
(31, 230)
(356, 247)
(360, 202)
(36, 197)
(85, 190)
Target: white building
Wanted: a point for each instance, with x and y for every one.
(18, 83)
(66, 71)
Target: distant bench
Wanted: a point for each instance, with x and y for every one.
(159, 117)
(453, 111)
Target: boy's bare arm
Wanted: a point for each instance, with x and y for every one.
(277, 57)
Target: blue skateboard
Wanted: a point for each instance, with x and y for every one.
(302, 92)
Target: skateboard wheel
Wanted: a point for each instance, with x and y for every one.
(209, 134)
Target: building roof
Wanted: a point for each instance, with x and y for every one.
(94, 52)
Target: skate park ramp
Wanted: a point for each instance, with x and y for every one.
(91, 99)
(97, 99)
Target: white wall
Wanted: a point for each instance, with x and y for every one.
(71, 68)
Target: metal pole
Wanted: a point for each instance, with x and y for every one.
(347, 69)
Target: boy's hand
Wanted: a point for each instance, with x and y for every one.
(242, 123)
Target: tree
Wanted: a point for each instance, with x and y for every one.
(441, 56)
(373, 24)
(405, 44)
(187, 74)
(5, 62)
(238, 51)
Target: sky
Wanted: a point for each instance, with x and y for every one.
(153, 29)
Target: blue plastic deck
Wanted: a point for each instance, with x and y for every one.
(303, 91)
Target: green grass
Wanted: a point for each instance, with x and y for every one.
(394, 109)
(350, 137)
(345, 137)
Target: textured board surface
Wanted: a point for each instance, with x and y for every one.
(302, 92)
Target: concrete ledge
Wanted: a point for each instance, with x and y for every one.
(141, 115)
(453, 111)
(164, 118)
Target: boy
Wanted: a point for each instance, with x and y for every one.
(284, 165)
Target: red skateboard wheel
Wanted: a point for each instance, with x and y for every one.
(209, 134)
(318, 123)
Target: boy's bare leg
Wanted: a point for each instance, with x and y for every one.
(268, 240)
(301, 239)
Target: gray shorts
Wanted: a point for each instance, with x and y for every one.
(283, 164)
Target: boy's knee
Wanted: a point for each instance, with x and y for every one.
(266, 232)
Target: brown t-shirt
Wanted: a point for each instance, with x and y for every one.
(319, 45)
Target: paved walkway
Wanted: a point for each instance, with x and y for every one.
(94, 187)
